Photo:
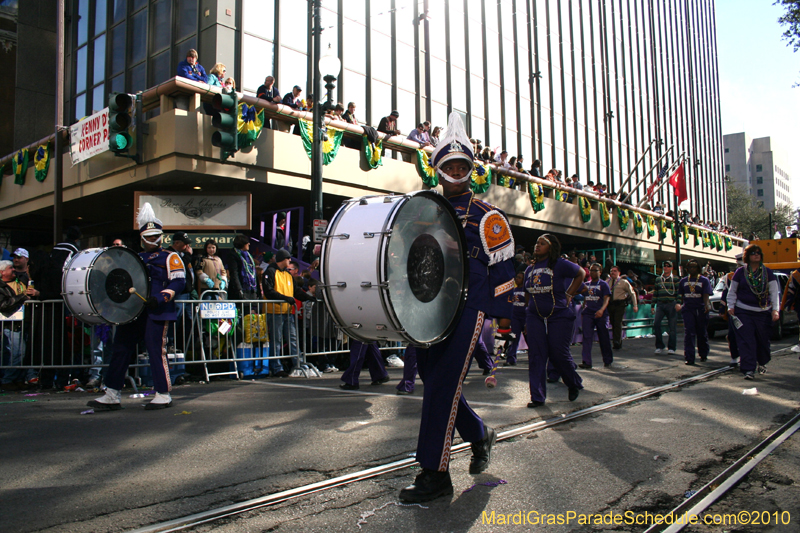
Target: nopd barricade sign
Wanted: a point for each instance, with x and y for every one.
(89, 137)
(217, 310)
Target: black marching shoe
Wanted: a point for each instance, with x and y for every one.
(584, 365)
(510, 363)
(532, 404)
(487, 371)
(573, 393)
(381, 381)
(428, 485)
(347, 386)
(482, 451)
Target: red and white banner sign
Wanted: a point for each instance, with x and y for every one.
(89, 137)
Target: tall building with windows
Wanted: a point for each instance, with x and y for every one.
(583, 86)
(759, 167)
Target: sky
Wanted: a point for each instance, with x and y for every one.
(757, 69)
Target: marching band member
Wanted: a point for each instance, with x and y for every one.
(693, 292)
(595, 316)
(753, 299)
(167, 278)
(551, 283)
(443, 366)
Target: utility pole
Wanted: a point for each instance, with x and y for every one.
(58, 148)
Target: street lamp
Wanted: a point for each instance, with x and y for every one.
(329, 67)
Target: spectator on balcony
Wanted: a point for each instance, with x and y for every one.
(536, 168)
(419, 135)
(659, 208)
(268, 91)
(501, 160)
(216, 75)
(229, 86)
(486, 155)
(191, 69)
(292, 100)
(435, 137)
(349, 116)
(388, 125)
(576, 182)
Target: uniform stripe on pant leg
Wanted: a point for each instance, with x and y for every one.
(164, 358)
(451, 423)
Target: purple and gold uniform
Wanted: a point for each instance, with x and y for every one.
(594, 293)
(517, 298)
(443, 367)
(167, 278)
(695, 316)
(549, 325)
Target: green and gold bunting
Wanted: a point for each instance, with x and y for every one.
(372, 152)
(728, 244)
(41, 161)
(685, 234)
(638, 223)
(674, 232)
(706, 240)
(536, 194)
(425, 170)
(481, 178)
(651, 225)
(662, 229)
(624, 217)
(19, 164)
(605, 214)
(331, 141)
(250, 123)
(718, 241)
(505, 181)
(585, 208)
(696, 235)
(561, 196)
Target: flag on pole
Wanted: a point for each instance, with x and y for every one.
(651, 191)
(678, 182)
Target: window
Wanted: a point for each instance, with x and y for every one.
(727, 150)
(759, 168)
(761, 192)
(759, 180)
(727, 168)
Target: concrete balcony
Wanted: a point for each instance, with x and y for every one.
(178, 156)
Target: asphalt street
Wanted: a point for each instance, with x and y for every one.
(230, 441)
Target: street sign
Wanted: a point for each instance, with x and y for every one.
(320, 227)
(89, 137)
(217, 310)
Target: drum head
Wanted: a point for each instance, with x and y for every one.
(426, 268)
(113, 273)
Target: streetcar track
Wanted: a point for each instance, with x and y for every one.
(227, 511)
(715, 489)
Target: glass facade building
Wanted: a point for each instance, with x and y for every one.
(585, 86)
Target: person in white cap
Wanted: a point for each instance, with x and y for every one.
(167, 278)
(443, 366)
(21, 259)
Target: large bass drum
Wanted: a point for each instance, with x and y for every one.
(96, 285)
(395, 268)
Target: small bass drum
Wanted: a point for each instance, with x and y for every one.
(395, 268)
(96, 285)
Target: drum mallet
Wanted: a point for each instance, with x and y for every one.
(132, 290)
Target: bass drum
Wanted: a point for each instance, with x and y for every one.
(395, 268)
(96, 285)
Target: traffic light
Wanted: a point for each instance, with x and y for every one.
(120, 107)
(226, 120)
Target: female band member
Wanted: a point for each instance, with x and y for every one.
(753, 299)
(550, 282)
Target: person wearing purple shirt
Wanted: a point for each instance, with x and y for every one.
(753, 304)
(693, 292)
(517, 298)
(597, 295)
(550, 283)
